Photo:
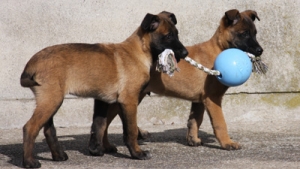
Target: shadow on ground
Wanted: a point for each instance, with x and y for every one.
(171, 145)
(80, 143)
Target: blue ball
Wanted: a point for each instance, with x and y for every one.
(235, 67)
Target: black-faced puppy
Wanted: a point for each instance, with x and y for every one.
(236, 30)
(112, 73)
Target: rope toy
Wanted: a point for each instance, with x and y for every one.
(233, 66)
(258, 65)
(167, 62)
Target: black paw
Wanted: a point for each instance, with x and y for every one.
(111, 149)
(31, 163)
(61, 157)
(96, 151)
(143, 155)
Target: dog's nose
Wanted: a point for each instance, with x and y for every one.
(259, 50)
(184, 53)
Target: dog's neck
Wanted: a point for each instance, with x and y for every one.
(206, 52)
(140, 40)
(220, 40)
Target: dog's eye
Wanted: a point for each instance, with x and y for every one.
(245, 34)
(169, 35)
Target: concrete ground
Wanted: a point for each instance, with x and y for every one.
(262, 114)
(263, 147)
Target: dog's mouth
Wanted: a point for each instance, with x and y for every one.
(258, 66)
(167, 63)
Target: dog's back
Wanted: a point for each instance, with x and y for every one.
(76, 69)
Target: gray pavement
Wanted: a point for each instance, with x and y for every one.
(262, 114)
(263, 147)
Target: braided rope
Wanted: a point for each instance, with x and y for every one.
(167, 64)
(216, 72)
(201, 67)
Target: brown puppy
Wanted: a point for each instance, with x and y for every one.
(108, 72)
(236, 30)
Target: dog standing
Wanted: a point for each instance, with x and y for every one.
(236, 30)
(108, 72)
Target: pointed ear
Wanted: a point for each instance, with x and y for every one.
(150, 22)
(232, 17)
(171, 16)
(252, 14)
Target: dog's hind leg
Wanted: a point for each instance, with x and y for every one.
(194, 122)
(56, 150)
(98, 128)
(47, 103)
(113, 110)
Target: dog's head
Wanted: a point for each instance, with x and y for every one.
(163, 34)
(240, 32)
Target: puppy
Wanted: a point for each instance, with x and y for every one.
(112, 73)
(236, 30)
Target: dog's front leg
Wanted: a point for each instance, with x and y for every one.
(100, 127)
(213, 105)
(130, 131)
(194, 122)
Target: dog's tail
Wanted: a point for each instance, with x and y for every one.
(27, 79)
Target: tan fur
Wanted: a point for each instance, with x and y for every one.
(204, 91)
(108, 72)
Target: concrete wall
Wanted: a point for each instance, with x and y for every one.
(28, 26)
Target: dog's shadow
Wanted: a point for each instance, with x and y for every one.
(12, 153)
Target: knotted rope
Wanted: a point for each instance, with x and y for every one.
(167, 64)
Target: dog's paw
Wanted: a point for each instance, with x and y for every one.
(62, 156)
(231, 146)
(143, 155)
(31, 163)
(194, 141)
(143, 134)
(96, 151)
(111, 149)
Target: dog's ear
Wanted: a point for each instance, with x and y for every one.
(171, 16)
(150, 22)
(232, 17)
(252, 14)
